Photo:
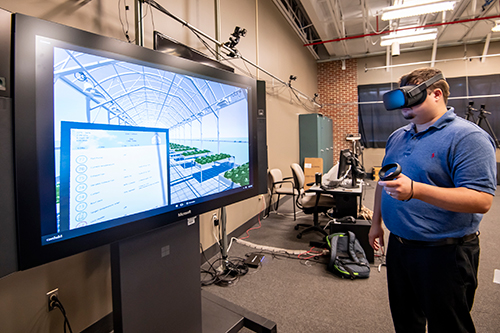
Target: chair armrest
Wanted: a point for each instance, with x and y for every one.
(283, 182)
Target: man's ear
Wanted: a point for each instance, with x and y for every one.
(438, 93)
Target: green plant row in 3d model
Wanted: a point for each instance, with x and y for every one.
(211, 158)
(195, 152)
(239, 175)
(178, 147)
(58, 193)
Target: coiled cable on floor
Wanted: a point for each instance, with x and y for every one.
(223, 273)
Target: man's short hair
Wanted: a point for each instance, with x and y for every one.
(423, 74)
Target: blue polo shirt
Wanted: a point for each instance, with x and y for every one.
(453, 152)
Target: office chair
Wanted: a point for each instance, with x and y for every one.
(280, 186)
(307, 201)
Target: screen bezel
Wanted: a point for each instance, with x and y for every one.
(32, 149)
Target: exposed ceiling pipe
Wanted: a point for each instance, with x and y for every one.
(365, 23)
(217, 27)
(414, 48)
(408, 28)
(387, 58)
(434, 52)
(426, 62)
(486, 46)
(139, 26)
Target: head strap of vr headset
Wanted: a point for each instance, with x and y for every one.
(424, 85)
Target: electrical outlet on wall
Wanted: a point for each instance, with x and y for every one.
(51, 295)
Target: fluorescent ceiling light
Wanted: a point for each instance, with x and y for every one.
(416, 8)
(408, 36)
(496, 28)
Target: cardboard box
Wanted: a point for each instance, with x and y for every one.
(311, 166)
(375, 171)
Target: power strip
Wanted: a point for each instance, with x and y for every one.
(254, 260)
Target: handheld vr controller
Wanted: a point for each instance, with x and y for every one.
(389, 172)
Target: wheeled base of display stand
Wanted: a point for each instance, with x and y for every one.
(218, 316)
(221, 316)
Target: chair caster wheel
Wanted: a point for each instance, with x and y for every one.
(296, 227)
(299, 236)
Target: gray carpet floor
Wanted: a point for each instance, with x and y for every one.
(301, 296)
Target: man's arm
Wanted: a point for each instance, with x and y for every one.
(376, 234)
(459, 199)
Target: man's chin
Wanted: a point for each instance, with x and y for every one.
(407, 114)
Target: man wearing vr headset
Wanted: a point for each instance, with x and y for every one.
(433, 208)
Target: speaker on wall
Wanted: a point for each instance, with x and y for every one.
(261, 136)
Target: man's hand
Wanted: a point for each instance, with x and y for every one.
(376, 236)
(400, 188)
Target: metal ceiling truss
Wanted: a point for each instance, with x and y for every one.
(350, 28)
(295, 14)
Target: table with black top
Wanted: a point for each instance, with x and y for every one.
(346, 199)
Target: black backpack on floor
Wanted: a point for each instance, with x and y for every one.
(347, 257)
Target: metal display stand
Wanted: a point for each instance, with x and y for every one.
(156, 281)
(156, 286)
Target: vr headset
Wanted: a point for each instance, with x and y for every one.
(408, 96)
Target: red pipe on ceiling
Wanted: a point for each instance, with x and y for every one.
(389, 31)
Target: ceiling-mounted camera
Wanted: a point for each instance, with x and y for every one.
(235, 39)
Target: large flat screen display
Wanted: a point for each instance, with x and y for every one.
(113, 139)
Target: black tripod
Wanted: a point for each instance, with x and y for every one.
(482, 116)
(469, 114)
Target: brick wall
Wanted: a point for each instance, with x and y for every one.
(338, 93)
